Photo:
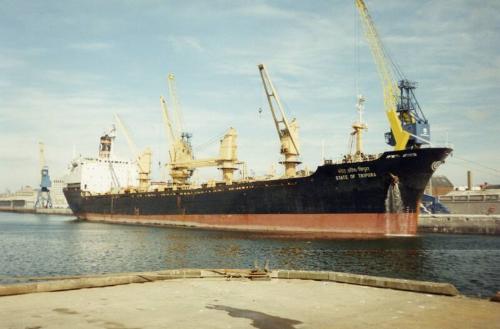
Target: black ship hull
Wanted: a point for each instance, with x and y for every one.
(379, 196)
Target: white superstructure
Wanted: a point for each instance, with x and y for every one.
(104, 173)
(97, 175)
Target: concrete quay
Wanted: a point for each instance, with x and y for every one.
(230, 299)
(459, 224)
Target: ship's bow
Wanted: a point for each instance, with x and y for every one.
(408, 174)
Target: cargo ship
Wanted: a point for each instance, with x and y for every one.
(359, 195)
(345, 198)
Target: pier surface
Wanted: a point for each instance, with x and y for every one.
(222, 302)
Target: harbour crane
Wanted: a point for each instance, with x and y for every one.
(43, 199)
(409, 127)
(182, 162)
(143, 159)
(287, 131)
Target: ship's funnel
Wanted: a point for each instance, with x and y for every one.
(105, 146)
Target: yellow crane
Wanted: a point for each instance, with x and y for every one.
(287, 131)
(182, 162)
(172, 91)
(143, 158)
(226, 161)
(180, 149)
(409, 127)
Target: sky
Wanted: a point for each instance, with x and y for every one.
(67, 67)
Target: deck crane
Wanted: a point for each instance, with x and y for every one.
(409, 127)
(178, 119)
(182, 162)
(143, 158)
(287, 131)
(226, 162)
(180, 149)
(43, 199)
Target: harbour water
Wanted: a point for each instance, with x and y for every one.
(43, 245)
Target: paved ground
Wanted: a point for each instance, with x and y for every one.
(217, 303)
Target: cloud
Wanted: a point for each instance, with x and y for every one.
(72, 77)
(11, 62)
(183, 43)
(264, 10)
(91, 46)
(5, 84)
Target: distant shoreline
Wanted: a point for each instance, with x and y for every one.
(44, 211)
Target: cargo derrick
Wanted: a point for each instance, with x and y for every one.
(143, 159)
(180, 149)
(409, 127)
(226, 162)
(182, 163)
(287, 131)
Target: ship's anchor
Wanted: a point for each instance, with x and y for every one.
(394, 179)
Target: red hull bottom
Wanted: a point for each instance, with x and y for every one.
(315, 225)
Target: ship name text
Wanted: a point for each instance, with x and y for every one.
(354, 173)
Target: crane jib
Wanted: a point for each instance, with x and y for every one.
(409, 127)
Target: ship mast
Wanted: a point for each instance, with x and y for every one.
(287, 131)
(358, 128)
